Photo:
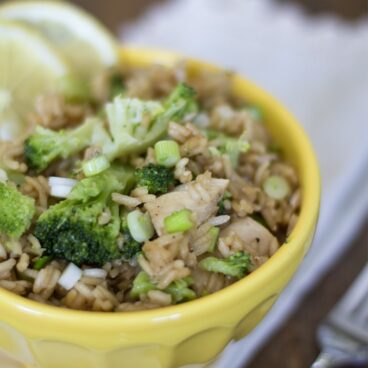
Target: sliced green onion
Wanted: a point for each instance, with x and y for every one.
(42, 262)
(243, 143)
(140, 226)
(95, 165)
(178, 222)
(3, 176)
(214, 151)
(232, 150)
(276, 187)
(213, 234)
(167, 153)
(255, 112)
(73, 88)
(230, 146)
(180, 291)
(142, 284)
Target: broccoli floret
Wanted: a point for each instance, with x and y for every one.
(236, 265)
(178, 289)
(131, 247)
(221, 208)
(135, 125)
(222, 144)
(16, 211)
(45, 145)
(70, 229)
(221, 205)
(157, 179)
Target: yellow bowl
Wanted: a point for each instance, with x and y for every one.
(196, 332)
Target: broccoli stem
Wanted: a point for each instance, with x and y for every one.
(236, 265)
(45, 145)
(124, 142)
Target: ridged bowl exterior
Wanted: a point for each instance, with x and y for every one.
(188, 335)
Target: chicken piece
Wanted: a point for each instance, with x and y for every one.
(254, 236)
(200, 196)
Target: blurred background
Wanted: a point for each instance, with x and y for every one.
(313, 56)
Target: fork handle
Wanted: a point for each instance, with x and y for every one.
(325, 360)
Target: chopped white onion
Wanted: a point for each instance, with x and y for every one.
(219, 220)
(70, 276)
(3, 176)
(58, 180)
(10, 128)
(98, 273)
(61, 187)
(225, 112)
(202, 120)
(60, 191)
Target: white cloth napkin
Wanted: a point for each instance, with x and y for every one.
(318, 69)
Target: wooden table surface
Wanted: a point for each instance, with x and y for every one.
(293, 346)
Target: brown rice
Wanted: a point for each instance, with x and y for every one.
(166, 258)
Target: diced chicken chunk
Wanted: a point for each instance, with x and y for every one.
(254, 235)
(200, 196)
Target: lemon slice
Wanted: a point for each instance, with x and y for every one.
(82, 39)
(28, 67)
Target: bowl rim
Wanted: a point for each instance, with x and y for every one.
(307, 218)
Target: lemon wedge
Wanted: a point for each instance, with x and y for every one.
(85, 43)
(29, 65)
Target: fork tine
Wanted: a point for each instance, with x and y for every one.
(343, 336)
(351, 313)
(362, 310)
(356, 293)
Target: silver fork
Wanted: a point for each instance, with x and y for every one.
(343, 336)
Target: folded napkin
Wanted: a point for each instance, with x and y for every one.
(318, 68)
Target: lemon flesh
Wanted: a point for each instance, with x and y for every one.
(28, 66)
(85, 43)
